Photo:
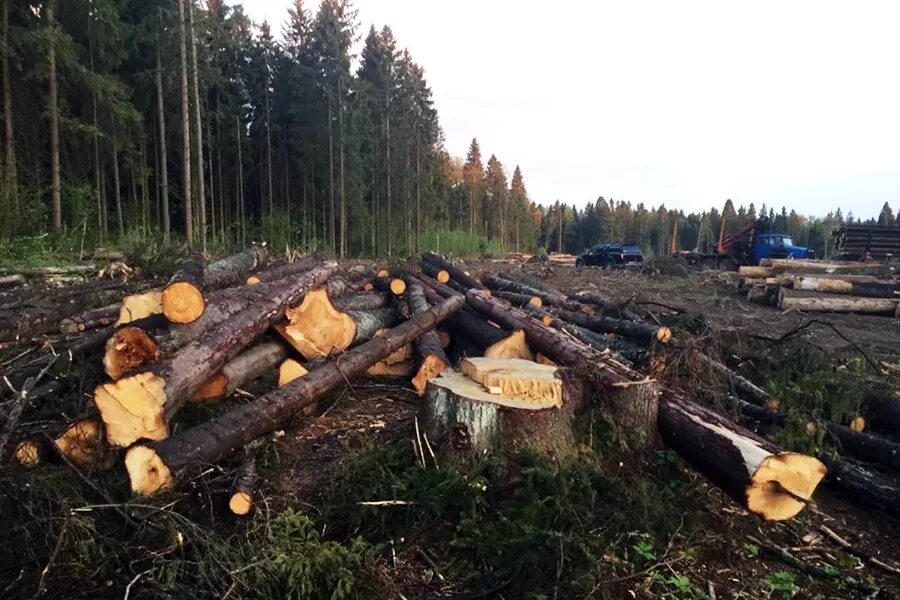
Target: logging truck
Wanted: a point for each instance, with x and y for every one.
(746, 246)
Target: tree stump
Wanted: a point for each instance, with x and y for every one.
(516, 405)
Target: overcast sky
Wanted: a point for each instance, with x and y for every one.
(793, 103)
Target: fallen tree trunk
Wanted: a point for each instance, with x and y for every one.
(153, 466)
(520, 276)
(432, 359)
(883, 415)
(365, 301)
(780, 265)
(440, 275)
(183, 299)
(30, 322)
(816, 302)
(746, 388)
(867, 447)
(456, 274)
(495, 282)
(491, 341)
(386, 283)
(760, 477)
(850, 288)
(91, 319)
(863, 486)
(300, 265)
(316, 328)
(244, 489)
(244, 368)
(752, 272)
(642, 333)
(141, 405)
(12, 280)
(519, 300)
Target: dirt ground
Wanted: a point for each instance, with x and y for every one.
(728, 564)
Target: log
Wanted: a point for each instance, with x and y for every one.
(12, 280)
(365, 301)
(816, 302)
(81, 442)
(300, 265)
(31, 322)
(759, 294)
(850, 288)
(466, 422)
(386, 283)
(781, 265)
(290, 370)
(244, 368)
(148, 339)
(760, 477)
(430, 353)
(533, 282)
(883, 415)
(91, 319)
(862, 485)
(403, 370)
(519, 300)
(495, 282)
(751, 272)
(440, 275)
(244, 489)
(642, 333)
(183, 299)
(490, 340)
(141, 405)
(867, 447)
(316, 328)
(152, 466)
(456, 274)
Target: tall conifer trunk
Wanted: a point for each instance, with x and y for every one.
(163, 155)
(198, 127)
(10, 178)
(331, 178)
(343, 244)
(185, 134)
(388, 128)
(55, 199)
(117, 194)
(239, 195)
(100, 221)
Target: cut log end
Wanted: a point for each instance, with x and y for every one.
(512, 346)
(398, 286)
(140, 306)
(431, 367)
(663, 334)
(536, 302)
(857, 424)
(240, 503)
(182, 302)
(29, 453)
(382, 369)
(443, 276)
(214, 389)
(128, 348)
(147, 472)
(132, 408)
(316, 328)
(783, 484)
(80, 442)
(253, 280)
(290, 370)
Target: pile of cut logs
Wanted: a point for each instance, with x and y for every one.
(824, 286)
(501, 363)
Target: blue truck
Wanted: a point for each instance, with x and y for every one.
(746, 246)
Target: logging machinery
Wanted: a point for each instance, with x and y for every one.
(751, 243)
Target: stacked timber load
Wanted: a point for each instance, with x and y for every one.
(824, 286)
(868, 242)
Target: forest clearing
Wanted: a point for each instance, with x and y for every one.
(258, 427)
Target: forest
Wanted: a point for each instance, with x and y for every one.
(184, 122)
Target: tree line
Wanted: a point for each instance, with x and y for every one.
(184, 120)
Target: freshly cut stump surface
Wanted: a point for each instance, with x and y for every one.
(515, 378)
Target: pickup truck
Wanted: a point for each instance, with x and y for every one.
(609, 256)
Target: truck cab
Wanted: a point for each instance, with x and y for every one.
(777, 245)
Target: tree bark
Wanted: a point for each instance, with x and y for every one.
(55, 199)
(244, 489)
(186, 180)
(153, 396)
(91, 319)
(850, 288)
(499, 283)
(818, 302)
(863, 486)
(883, 415)
(437, 273)
(244, 368)
(117, 192)
(519, 300)
(365, 301)
(742, 385)
(432, 359)
(198, 124)
(298, 266)
(10, 177)
(153, 466)
(164, 157)
(456, 274)
(642, 333)
(867, 447)
(30, 322)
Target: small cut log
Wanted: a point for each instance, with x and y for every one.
(432, 359)
(866, 447)
(490, 340)
(12, 280)
(91, 319)
(820, 302)
(245, 486)
(244, 368)
(456, 274)
(497, 283)
(439, 274)
(301, 265)
(642, 333)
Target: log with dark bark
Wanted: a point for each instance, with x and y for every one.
(31, 322)
(183, 299)
(863, 486)
(866, 447)
(91, 319)
(244, 489)
(386, 283)
(440, 275)
(850, 288)
(432, 359)
(746, 388)
(519, 300)
(153, 466)
(317, 328)
(300, 265)
(640, 332)
(821, 302)
(244, 368)
(495, 282)
(490, 340)
(757, 474)
(364, 301)
(12, 280)
(141, 405)
(146, 340)
(456, 274)
(883, 415)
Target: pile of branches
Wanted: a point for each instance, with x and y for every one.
(824, 286)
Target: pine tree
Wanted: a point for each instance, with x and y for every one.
(473, 178)
(185, 133)
(886, 217)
